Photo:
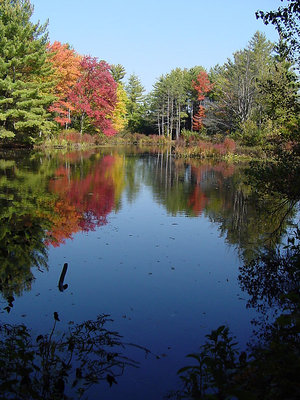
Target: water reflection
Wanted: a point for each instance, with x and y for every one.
(61, 365)
(86, 194)
(22, 229)
(269, 368)
(46, 200)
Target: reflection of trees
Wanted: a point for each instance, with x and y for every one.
(61, 194)
(270, 277)
(132, 180)
(246, 220)
(85, 196)
(170, 183)
(21, 228)
(270, 367)
(269, 370)
(60, 366)
(219, 191)
(84, 190)
(21, 248)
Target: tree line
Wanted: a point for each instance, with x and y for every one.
(46, 87)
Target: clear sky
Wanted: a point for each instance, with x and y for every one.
(151, 37)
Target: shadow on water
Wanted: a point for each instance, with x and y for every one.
(61, 365)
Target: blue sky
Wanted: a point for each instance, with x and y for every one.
(149, 38)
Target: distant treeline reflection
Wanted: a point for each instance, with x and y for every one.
(46, 199)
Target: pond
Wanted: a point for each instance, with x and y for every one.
(154, 242)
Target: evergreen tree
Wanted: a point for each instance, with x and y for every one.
(118, 72)
(135, 104)
(174, 100)
(24, 92)
(236, 84)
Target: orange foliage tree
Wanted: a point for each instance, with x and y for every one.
(66, 66)
(203, 86)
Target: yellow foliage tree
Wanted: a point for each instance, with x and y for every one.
(119, 119)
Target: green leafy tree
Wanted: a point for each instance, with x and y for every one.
(236, 92)
(279, 97)
(24, 96)
(287, 22)
(172, 101)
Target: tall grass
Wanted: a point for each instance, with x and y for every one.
(204, 149)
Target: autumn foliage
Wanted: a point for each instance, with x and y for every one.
(95, 94)
(84, 88)
(203, 86)
(198, 119)
(66, 66)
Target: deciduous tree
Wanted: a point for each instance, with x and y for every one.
(286, 20)
(95, 94)
(66, 72)
(119, 115)
(202, 86)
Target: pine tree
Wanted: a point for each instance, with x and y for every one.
(135, 110)
(118, 72)
(24, 91)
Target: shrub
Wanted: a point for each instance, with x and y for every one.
(229, 145)
(250, 134)
(204, 149)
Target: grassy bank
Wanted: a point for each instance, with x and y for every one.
(215, 147)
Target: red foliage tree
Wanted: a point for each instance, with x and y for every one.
(203, 86)
(95, 94)
(198, 119)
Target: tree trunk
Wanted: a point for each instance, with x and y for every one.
(171, 118)
(81, 122)
(168, 116)
(163, 120)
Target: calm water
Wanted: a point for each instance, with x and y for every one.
(154, 242)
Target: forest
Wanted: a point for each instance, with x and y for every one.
(49, 93)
